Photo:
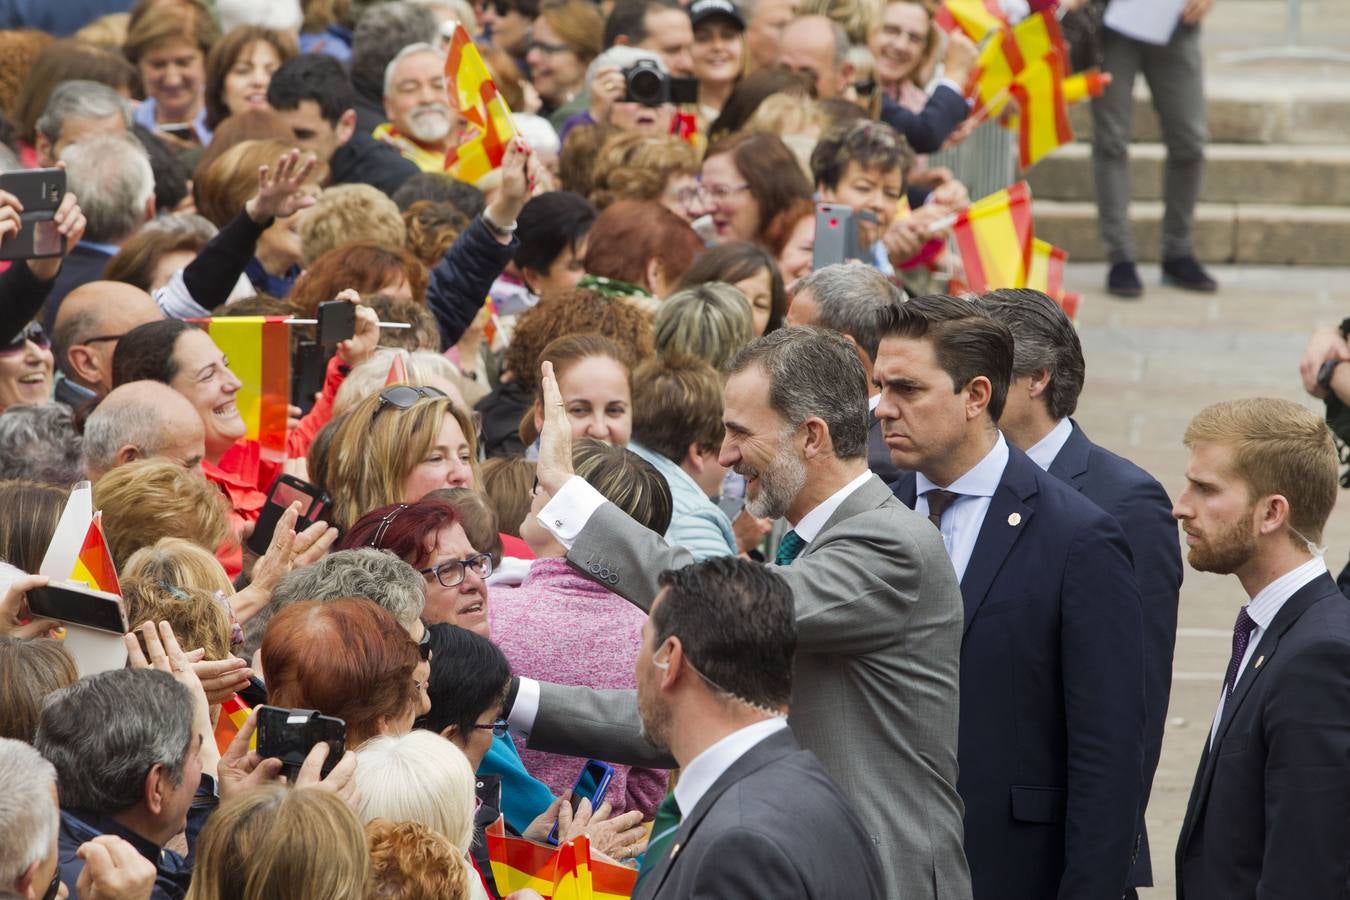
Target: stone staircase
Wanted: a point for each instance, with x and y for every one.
(1277, 178)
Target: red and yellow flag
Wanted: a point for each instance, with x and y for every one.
(1043, 124)
(1089, 83)
(1046, 273)
(481, 106)
(994, 238)
(975, 17)
(94, 564)
(561, 873)
(258, 350)
(233, 714)
(398, 371)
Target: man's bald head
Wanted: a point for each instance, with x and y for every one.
(139, 420)
(88, 323)
(817, 47)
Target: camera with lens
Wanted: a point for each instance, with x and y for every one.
(645, 83)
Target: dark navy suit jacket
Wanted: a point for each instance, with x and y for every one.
(926, 130)
(1268, 811)
(1051, 744)
(1139, 504)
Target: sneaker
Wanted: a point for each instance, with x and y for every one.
(1123, 281)
(1186, 273)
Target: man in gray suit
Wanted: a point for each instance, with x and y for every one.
(879, 611)
(760, 816)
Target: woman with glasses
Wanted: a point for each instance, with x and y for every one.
(649, 167)
(598, 647)
(750, 178)
(26, 368)
(565, 38)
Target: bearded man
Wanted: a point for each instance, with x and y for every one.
(422, 125)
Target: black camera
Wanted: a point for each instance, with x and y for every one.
(645, 83)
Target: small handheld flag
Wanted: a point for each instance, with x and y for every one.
(94, 565)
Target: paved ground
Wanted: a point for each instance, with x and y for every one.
(1151, 365)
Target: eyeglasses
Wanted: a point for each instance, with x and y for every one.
(720, 192)
(498, 727)
(547, 48)
(424, 645)
(404, 396)
(32, 332)
(103, 337)
(54, 888)
(385, 522)
(686, 196)
(451, 572)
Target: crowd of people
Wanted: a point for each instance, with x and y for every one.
(811, 559)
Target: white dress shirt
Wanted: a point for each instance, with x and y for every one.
(962, 521)
(1047, 448)
(809, 526)
(704, 770)
(1263, 608)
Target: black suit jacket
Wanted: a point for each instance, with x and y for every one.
(926, 130)
(82, 265)
(1138, 502)
(1051, 743)
(774, 825)
(1269, 810)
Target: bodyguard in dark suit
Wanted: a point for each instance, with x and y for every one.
(1048, 374)
(1267, 814)
(1051, 741)
(759, 816)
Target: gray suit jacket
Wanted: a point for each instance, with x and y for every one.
(879, 619)
(773, 825)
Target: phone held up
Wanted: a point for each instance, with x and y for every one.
(289, 735)
(40, 191)
(591, 785)
(286, 490)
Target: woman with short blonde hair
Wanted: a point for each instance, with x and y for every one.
(712, 321)
(150, 499)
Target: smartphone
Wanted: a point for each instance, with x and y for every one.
(836, 235)
(308, 368)
(286, 490)
(40, 191)
(78, 605)
(289, 735)
(591, 784)
(178, 129)
(337, 322)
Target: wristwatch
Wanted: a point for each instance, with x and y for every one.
(500, 230)
(1325, 373)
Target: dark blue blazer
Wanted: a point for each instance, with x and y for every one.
(1051, 744)
(1268, 812)
(926, 130)
(1139, 504)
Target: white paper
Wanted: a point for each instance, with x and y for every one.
(71, 529)
(1151, 21)
(94, 651)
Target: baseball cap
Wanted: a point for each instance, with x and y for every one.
(702, 10)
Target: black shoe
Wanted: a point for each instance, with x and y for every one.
(1123, 281)
(1186, 273)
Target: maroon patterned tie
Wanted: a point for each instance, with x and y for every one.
(1242, 635)
(939, 501)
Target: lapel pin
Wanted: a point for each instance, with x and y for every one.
(1015, 519)
(1259, 660)
(674, 851)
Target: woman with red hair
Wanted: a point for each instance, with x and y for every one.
(638, 250)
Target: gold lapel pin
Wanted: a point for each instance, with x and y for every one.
(674, 851)
(1259, 660)
(1015, 519)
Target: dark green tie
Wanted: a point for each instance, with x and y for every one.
(789, 548)
(664, 827)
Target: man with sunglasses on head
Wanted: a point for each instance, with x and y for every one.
(90, 322)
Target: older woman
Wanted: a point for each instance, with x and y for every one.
(646, 167)
(710, 321)
(566, 36)
(600, 645)
(903, 44)
(750, 179)
(168, 45)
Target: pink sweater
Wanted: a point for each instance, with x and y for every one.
(560, 626)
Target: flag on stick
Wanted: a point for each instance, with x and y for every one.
(233, 714)
(258, 351)
(398, 370)
(1043, 123)
(1046, 273)
(1090, 83)
(561, 873)
(975, 17)
(94, 564)
(994, 238)
(481, 106)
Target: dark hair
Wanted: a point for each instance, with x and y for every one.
(814, 373)
(628, 19)
(440, 188)
(770, 170)
(749, 92)
(382, 31)
(145, 353)
(226, 53)
(631, 233)
(549, 224)
(677, 401)
(736, 625)
(403, 532)
(872, 145)
(1043, 339)
(312, 76)
(967, 342)
(171, 173)
(468, 676)
(736, 261)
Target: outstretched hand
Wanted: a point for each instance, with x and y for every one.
(555, 439)
(280, 191)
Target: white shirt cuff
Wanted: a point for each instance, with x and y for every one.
(566, 514)
(526, 707)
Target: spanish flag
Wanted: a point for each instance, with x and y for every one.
(1047, 268)
(561, 873)
(1090, 83)
(1043, 124)
(481, 106)
(258, 351)
(975, 17)
(94, 565)
(1011, 51)
(233, 714)
(398, 370)
(994, 238)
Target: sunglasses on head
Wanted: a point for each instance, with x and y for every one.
(32, 332)
(404, 396)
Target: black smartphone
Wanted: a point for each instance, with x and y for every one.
(182, 130)
(78, 606)
(40, 191)
(308, 367)
(289, 735)
(286, 490)
(590, 785)
(337, 322)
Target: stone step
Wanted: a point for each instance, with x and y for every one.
(1254, 233)
(1251, 111)
(1315, 175)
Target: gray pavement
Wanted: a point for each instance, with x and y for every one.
(1151, 365)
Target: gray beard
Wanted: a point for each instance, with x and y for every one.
(779, 484)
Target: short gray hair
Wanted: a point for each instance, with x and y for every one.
(847, 297)
(105, 732)
(813, 372)
(410, 50)
(39, 443)
(111, 175)
(711, 321)
(383, 30)
(376, 575)
(113, 425)
(79, 99)
(28, 817)
(1044, 339)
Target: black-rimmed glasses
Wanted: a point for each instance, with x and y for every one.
(451, 572)
(499, 727)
